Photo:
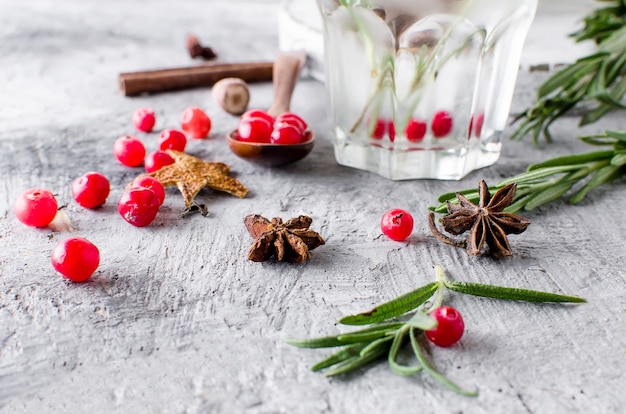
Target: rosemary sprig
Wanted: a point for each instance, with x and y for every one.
(599, 77)
(407, 317)
(550, 180)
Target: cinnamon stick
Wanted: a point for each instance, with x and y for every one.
(161, 80)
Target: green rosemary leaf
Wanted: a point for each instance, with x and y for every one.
(570, 72)
(595, 114)
(618, 135)
(322, 342)
(568, 161)
(518, 205)
(396, 368)
(618, 160)
(549, 194)
(423, 321)
(350, 351)
(372, 346)
(393, 308)
(508, 293)
(469, 193)
(442, 379)
(537, 173)
(617, 94)
(616, 67)
(598, 140)
(370, 334)
(379, 329)
(357, 362)
(601, 176)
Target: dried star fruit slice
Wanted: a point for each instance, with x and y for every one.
(191, 174)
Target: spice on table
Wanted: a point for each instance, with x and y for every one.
(291, 241)
(191, 174)
(162, 80)
(197, 50)
(232, 95)
(486, 222)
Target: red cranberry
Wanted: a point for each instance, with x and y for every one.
(144, 119)
(157, 160)
(441, 124)
(91, 189)
(129, 151)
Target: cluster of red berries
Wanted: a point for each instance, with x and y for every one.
(140, 203)
(258, 126)
(415, 131)
(441, 125)
(130, 151)
(77, 258)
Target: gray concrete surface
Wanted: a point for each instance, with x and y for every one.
(176, 320)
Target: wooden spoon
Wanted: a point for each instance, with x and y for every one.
(286, 71)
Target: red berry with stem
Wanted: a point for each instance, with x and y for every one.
(441, 124)
(91, 189)
(195, 122)
(254, 130)
(285, 134)
(138, 206)
(415, 130)
(35, 207)
(129, 151)
(151, 183)
(172, 139)
(144, 119)
(397, 224)
(449, 329)
(157, 160)
(76, 259)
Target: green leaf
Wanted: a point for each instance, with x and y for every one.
(618, 135)
(536, 174)
(322, 342)
(551, 193)
(372, 346)
(348, 352)
(396, 368)
(568, 161)
(442, 379)
(393, 308)
(602, 176)
(423, 321)
(618, 160)
(369, 334)
(565, 75)
(357, 362)
(508, 293)
(374, 331)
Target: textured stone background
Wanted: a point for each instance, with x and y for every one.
(176, 320)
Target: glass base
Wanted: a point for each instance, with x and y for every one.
(417, 163)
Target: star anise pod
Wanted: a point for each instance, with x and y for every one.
(290, 241)
(487, 222)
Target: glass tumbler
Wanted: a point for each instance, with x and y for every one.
(421, 88)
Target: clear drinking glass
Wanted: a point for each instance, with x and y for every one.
(421, 88)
